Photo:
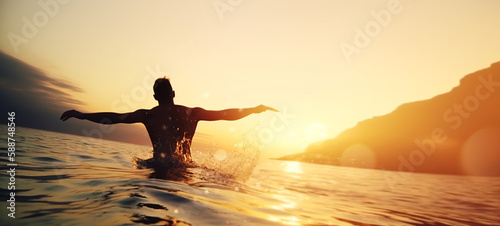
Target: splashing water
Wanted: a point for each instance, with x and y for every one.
(236, 163)
(214, 164)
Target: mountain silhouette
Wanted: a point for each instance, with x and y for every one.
(453, 133)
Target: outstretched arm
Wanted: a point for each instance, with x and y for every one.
(106, 117)
(228, 114)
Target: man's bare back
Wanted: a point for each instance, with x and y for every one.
(171, 127)
(171, 130)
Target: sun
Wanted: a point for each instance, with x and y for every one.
(315, 132)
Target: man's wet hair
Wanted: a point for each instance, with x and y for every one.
(163, 88)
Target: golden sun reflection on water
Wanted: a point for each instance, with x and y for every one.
(285, 220)
(287, 204)
(293, 167)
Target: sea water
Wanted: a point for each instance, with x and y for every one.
(71, 180)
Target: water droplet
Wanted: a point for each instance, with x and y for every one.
(220, 154)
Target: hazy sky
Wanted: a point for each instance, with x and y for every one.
(327, 64)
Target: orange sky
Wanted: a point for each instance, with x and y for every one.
(287, 54)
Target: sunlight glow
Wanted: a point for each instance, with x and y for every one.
(293, 167)
(315, 132)
(216, 65)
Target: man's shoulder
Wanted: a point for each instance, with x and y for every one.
(192, 112)
(141, 111)
(182, 107)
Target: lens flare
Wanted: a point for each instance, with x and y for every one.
(359, 156)
(220, 154)
(481, 153)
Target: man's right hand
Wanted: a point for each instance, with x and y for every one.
(70, 114)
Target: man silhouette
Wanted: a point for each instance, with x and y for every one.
(171, 127)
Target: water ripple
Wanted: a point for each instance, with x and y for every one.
(64, 180)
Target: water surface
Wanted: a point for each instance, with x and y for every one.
(70, 180)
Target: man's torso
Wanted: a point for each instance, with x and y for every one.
(171, 129)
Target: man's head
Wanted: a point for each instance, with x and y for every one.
(163, 90)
